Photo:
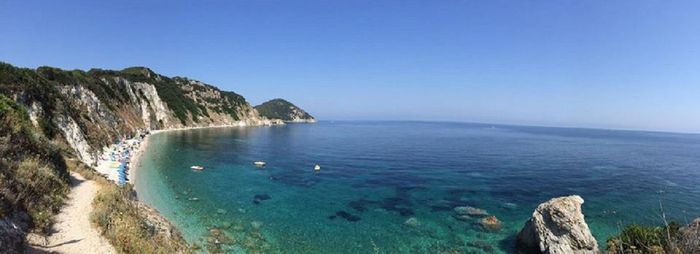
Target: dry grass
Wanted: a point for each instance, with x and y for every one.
(117, 215)
(126, 227)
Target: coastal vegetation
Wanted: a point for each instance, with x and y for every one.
(642, 239)
(33, 174)
(127, 227)
(671, 238)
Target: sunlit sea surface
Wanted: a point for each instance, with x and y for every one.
(377, 175)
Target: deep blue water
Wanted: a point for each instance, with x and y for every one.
(376, 175)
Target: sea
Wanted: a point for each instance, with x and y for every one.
(391, 187)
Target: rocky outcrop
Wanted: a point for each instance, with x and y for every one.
(689, 237)
(285, 111)
(155, 222)
(557, 227)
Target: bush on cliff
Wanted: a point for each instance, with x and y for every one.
(33, 175)
(638, 239)
(127, 227)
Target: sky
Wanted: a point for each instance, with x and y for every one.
(596, 64)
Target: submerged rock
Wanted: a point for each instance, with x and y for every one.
(509, 205)
(345, 215)
(462, 217)
(215, 231)
(259, 198)
(412, 222)
(490, 223)
(556, 227)
(256, 225)
(471, 211)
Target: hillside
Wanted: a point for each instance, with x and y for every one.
(110, 104)
(282, 109)
(49, 117)
(33, 177)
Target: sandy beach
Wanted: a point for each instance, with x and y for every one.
(135, 159)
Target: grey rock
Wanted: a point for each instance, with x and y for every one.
(412, 222)
(557, 227)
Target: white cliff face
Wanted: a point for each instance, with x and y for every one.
(153, 103)
(75, 138)
(95, 108)
(35, 112)
(97, 113)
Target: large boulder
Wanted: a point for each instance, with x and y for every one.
(557, 226)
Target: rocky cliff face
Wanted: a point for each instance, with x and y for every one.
(282, 109)
(557, 227)
(89, 110)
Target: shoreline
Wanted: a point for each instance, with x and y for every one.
(135, 159)
(124, 158)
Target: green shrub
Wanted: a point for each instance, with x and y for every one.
(634, 239)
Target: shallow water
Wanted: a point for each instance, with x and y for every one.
(377, 175)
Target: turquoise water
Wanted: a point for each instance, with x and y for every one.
(377, 175)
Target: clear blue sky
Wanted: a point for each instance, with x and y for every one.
(605, 64)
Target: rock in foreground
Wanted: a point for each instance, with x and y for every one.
(557, 226)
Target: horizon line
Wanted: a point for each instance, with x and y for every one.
(515, 125)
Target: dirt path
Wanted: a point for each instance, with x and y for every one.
(72, 231)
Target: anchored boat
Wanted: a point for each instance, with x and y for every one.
(197, 168)
(260, 163)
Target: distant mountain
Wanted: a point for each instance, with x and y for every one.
(284, 110)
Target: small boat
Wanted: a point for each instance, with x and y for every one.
(259, 163)
(317, 167)
(197, 168)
